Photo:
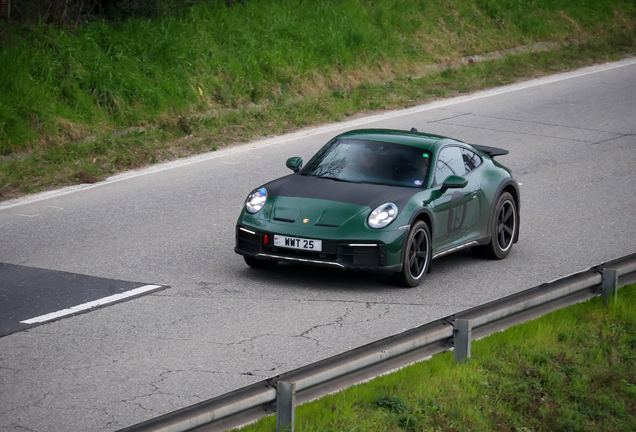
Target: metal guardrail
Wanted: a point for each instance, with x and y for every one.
(280, 394)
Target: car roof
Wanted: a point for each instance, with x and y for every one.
(410, 138)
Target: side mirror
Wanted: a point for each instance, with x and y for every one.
(294, 163)
(454, 182)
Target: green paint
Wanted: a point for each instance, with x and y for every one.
(457, 212)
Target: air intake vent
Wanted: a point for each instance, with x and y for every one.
(284, 220)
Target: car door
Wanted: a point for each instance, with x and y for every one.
(456, 211)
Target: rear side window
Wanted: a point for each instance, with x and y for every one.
(471, 159)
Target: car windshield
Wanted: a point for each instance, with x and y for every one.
(362, 161)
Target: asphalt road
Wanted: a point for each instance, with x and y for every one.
(221, 325)
(32, 296)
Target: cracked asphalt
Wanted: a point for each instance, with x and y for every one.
(222, 325)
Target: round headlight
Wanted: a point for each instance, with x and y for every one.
(383, 215)
(256, 200)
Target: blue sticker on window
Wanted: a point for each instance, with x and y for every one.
(418, 182)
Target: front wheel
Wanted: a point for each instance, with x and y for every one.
(503, 230)
(417, 256)
(259, 263)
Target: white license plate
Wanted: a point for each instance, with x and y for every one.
(298, 243)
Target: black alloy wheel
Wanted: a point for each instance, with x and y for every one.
(505, 225)
(503, 230)
(417, 256)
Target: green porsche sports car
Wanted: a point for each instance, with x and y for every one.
(383, 200)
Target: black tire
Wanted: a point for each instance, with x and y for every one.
(503, 230)
(259, 263)
(417, 256)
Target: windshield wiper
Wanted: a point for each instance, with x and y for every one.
(383, 183)
(340, 179)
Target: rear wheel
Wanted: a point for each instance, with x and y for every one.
(503, 230)
(417, 256)
(259, 263)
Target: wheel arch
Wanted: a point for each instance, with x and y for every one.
(424, 215)
(512, 187)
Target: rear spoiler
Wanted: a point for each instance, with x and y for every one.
(491, 151)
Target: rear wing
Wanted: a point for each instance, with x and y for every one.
(491, 151)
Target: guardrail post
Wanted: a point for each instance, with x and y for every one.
(461, 338)
(609, 284)
(285, 406)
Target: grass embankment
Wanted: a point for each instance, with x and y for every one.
(78, 105)
(571, 370)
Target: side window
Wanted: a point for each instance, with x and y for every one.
(449, 162)
(471, 159)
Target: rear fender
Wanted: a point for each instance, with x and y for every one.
(512, 185)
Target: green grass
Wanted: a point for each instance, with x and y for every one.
(571, 370)
(222, 75)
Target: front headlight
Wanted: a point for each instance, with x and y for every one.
(383, 215)
(256, 200)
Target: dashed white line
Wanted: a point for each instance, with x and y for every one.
(90, 305)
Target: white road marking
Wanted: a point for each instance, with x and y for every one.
(268, 142)
(92, 304)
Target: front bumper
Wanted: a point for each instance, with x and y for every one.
(344, 254)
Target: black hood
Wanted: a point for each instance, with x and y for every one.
(363, 194)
